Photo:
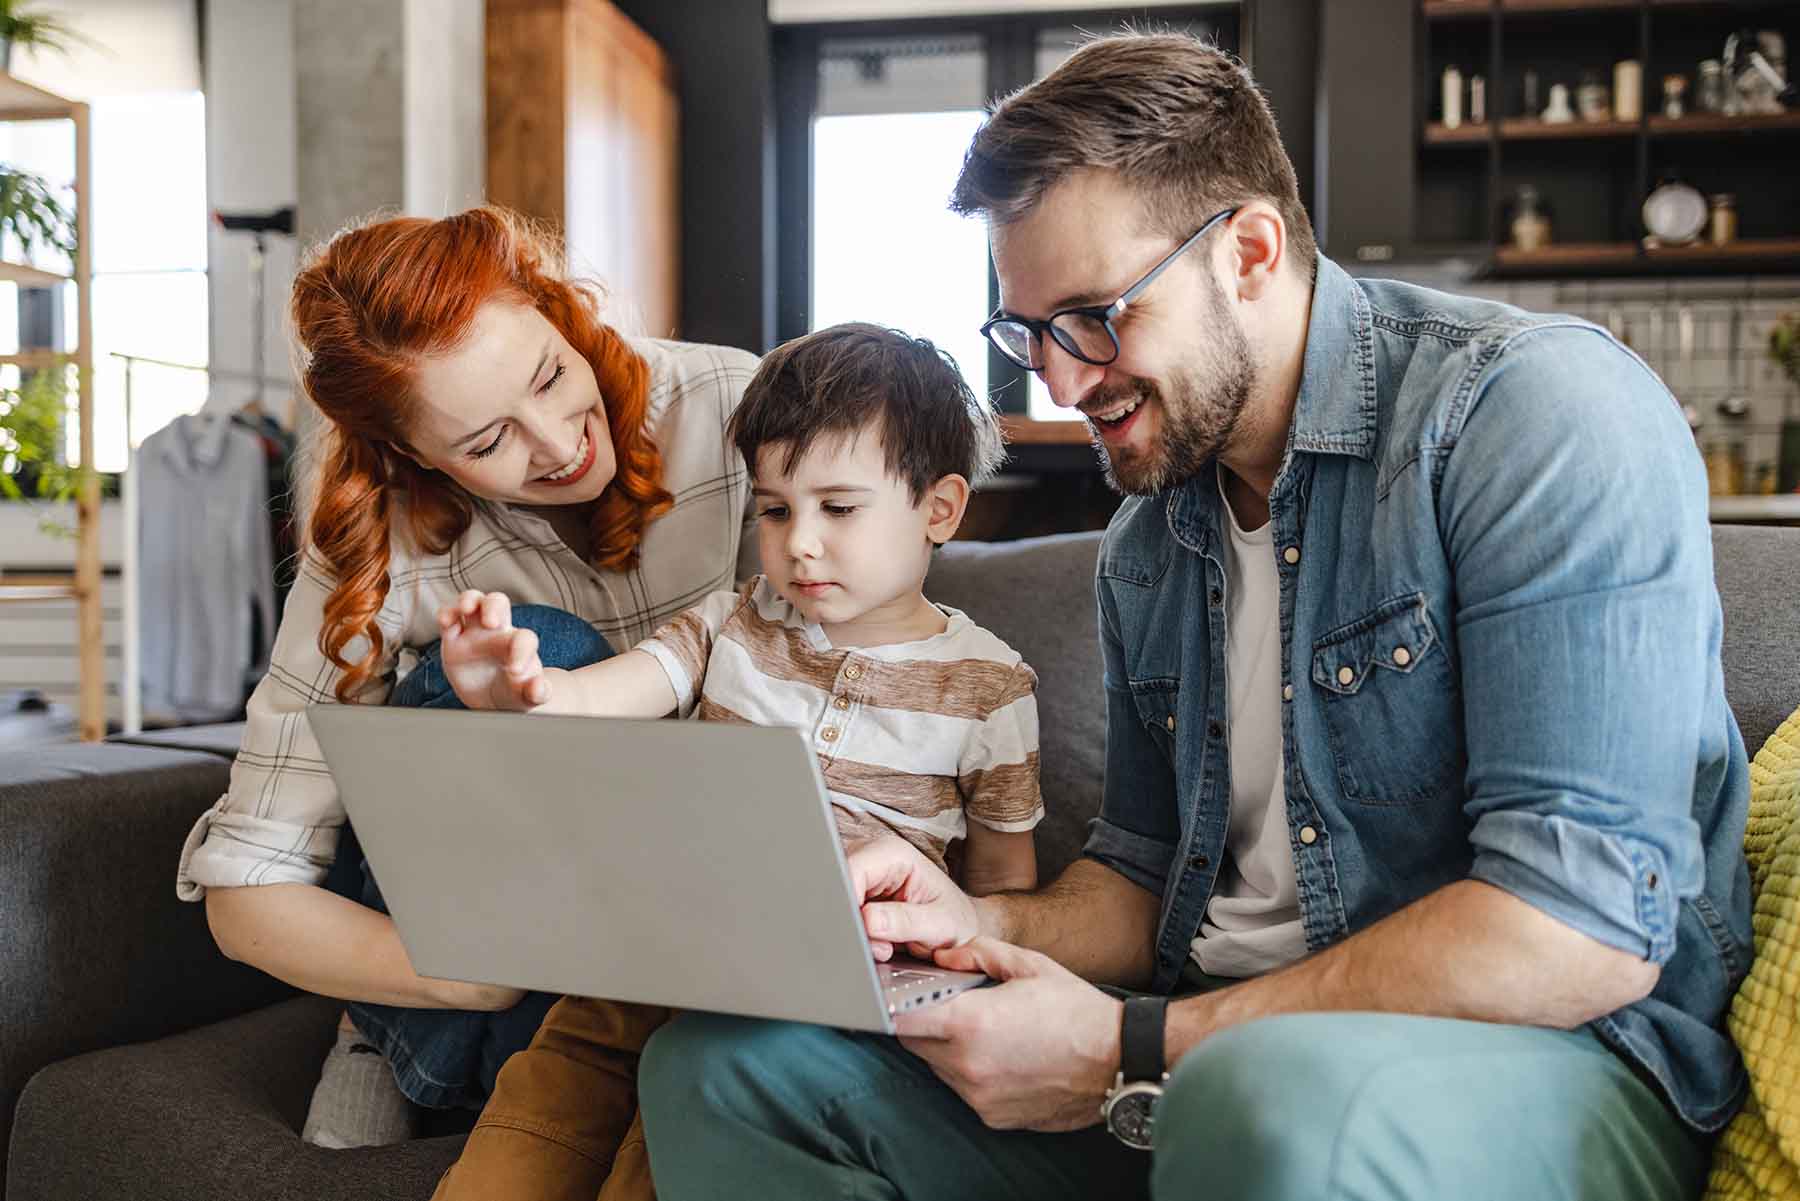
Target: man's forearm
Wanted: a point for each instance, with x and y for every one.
(1467, 951)
(1091, 920)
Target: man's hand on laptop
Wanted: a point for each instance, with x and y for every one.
(490, 663)
(907, 901)
(1036, 1053)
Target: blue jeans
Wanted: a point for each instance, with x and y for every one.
(448, 1058)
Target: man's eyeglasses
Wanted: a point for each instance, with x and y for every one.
(1086, 332)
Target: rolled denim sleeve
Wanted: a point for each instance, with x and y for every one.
(1573, 508)
(1138, 828)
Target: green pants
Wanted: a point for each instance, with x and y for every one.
(1315, 1107)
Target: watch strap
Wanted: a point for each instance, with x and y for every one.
(1141, 1039)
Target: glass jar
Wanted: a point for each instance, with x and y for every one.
(1722, 223)
(1592, 99)
(1530, 224)
(1713, 95)
(1674, 96)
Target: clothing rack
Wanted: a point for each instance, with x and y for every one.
(131, 693)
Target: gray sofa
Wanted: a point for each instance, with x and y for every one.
(136, 1062)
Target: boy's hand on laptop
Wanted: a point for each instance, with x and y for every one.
(1036, 1053)
(489, 663)
(907, 901)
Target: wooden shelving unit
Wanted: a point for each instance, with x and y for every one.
(1464, 10)
(1708, 123)
(21, 101)
(1592, 176)
(1023, 431)
(1614, 257)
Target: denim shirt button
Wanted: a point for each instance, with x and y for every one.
(1197, 861)
(1215, 730)
(1291, 555)
(1402, 656)
(1169, 723)
(1308, 835)
(1216, 597)
(1346, 676)
(1650, 880)
(1287, 692)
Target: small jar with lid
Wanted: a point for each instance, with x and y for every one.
(1530, 224)
(1674, 89)
(1712, 94)
(1722, 220)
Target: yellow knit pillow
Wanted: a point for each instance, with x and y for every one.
(1758, 1156)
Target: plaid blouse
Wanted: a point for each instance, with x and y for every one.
(278, 822)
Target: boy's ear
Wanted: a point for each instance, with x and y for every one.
(945, 502)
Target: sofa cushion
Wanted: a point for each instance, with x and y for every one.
(211, 1115)
(98, 950)
(1758, 570)
(1038, 595)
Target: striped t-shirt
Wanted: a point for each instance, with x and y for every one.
(914, 737)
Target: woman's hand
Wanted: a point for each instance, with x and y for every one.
(490, 664)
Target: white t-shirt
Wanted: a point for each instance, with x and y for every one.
(1252, 923)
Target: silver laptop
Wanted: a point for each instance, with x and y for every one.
(681, 863)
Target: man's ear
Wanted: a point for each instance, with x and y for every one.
(945, 503)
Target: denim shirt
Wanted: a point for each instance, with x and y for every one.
(1500, 660)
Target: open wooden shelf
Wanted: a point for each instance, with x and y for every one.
(1456, 10)
(24, 593)
(1703, 123)
(37, 360)
(29, 277)
(1023, 431)
(21, 101)
(1520, 129)
(1628, 257)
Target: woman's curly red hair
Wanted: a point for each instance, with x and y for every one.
(367, 307)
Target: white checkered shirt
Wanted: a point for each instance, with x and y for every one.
(279, 821)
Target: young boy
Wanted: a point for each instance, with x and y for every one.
(862, 445)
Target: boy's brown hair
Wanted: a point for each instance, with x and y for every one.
(853, 377)
(1179, 120)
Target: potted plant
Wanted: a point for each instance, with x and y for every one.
(31, 214)
(32, 422)
(33, 30)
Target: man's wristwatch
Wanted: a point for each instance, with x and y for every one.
(1130, 1106)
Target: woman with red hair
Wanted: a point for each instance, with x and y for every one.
(482, 428)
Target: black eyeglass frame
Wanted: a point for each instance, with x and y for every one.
(1101, 313)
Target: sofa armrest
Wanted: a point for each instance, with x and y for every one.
(95, 949)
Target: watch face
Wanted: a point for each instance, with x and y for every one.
(1132, 1115)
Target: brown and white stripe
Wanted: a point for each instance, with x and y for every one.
(918, 737)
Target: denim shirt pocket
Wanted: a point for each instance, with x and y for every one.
(1155, 700)
(1390, 709)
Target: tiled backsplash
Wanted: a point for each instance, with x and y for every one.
(1648, 314)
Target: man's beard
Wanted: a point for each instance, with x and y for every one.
(1200, 411)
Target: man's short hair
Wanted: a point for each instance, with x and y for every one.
(1179, 120)
(856, 377)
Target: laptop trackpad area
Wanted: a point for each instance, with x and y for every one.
(908, 984)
